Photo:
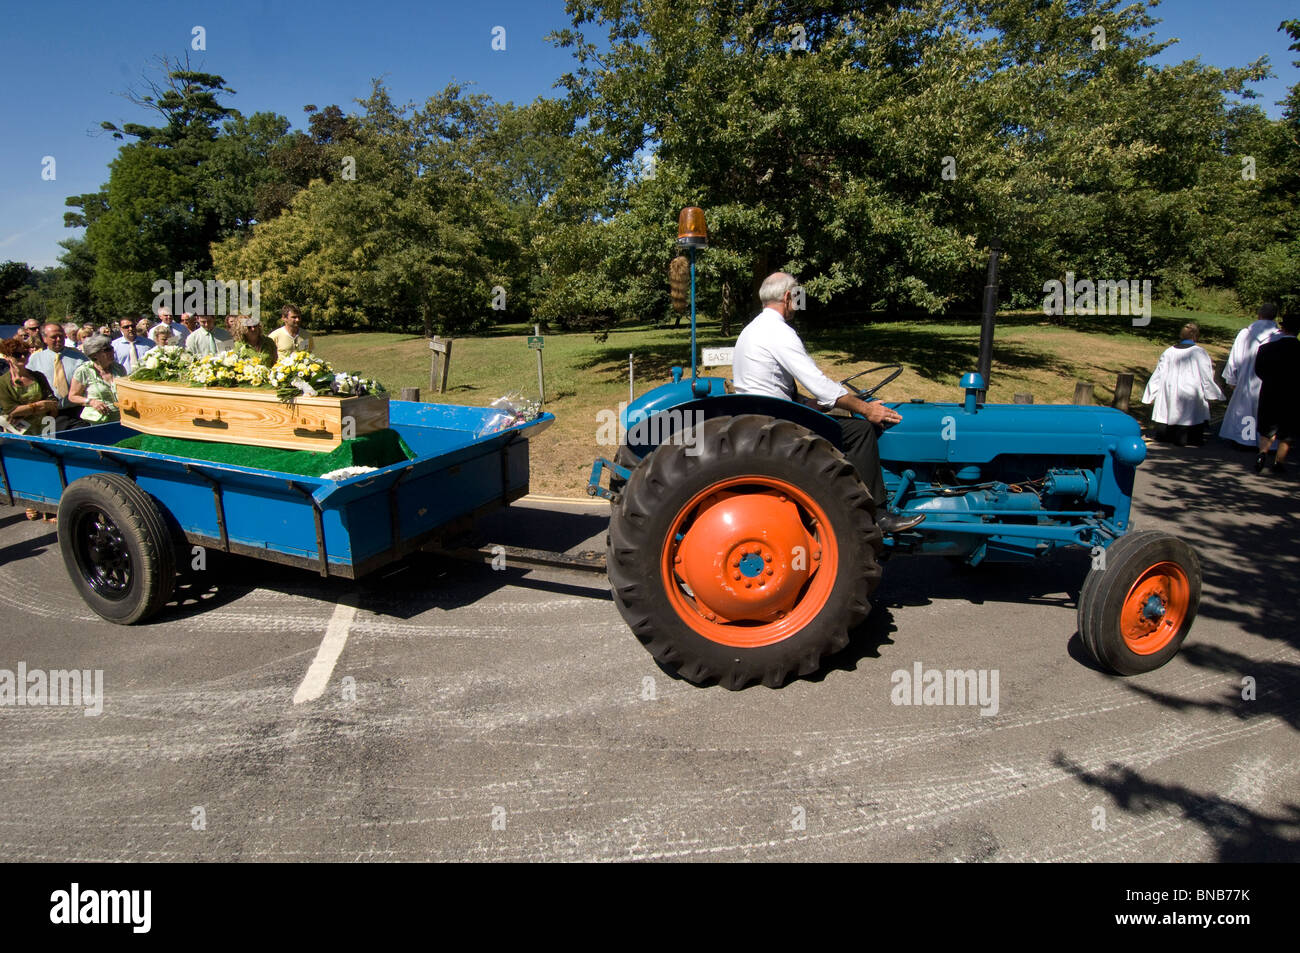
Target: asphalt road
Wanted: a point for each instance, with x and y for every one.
(465, 713)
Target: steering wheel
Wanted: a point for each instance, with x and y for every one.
(866, 394)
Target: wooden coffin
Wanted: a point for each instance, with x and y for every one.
(247, 415)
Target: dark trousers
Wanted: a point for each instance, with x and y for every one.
(859, 446)
(1181, 434)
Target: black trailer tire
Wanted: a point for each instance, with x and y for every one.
(751, 485)
(116, 547)
(1136, 611)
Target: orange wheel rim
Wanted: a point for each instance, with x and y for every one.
(749, 561)
(1155, 608)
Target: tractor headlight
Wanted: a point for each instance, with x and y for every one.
(1131, 451)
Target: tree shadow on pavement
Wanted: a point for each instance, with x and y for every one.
(1239, 833)
(1274, 689)
(1242, 526)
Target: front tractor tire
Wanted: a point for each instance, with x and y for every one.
(744, 551)
(1135, 613)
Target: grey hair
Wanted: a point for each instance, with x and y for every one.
(775, 287)
(94, 344)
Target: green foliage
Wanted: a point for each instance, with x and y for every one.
(872, 147)
(14, 277)
(199, 175)
(440, 211)
(817, 136)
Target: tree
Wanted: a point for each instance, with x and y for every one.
(874, 149)
(417, 239)
(194, 178)
(14, 277)
(1269, 267)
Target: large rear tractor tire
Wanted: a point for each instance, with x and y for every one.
(116, 547)
(1136, 611)
(744, 551)
(624, 457)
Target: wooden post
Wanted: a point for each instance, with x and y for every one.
(1123, 390)
(439, 363)
(411, 393)
(1082, 392)
(1023, 399)
(541, 385)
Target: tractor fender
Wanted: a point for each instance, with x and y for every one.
(667, 426)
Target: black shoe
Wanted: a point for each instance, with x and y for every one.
(1278, 468)
(1259, 462)
(891, 523)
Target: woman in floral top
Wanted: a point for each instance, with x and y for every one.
(248, 331)
(94, 383)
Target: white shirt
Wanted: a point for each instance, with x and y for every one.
(769, 358)
(1181, 387)
(128, 353)
(1239, 372)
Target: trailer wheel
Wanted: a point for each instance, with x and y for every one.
(745, 554)
(116, 547)
(1135, 613)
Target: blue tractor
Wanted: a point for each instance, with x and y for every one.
(743, 547)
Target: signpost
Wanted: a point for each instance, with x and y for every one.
(535, 343)
(439, 363)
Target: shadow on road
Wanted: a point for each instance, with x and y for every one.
(1239, 833)
(1243, 527)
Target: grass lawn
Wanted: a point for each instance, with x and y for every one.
(583, 376)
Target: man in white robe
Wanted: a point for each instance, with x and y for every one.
(1181, 387)
(1241, 420)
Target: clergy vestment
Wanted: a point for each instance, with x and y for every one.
(1239, 372)
(1182, 386)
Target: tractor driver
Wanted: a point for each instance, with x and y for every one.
(769, 358)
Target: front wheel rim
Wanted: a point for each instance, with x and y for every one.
(1155, 608)
(749, 561)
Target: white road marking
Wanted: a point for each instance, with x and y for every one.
(331, 647)
(582, 500)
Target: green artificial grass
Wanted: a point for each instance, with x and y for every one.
(378, 449)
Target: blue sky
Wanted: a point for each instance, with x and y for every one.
(63, 66)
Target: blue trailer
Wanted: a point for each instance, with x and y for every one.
(128, 518)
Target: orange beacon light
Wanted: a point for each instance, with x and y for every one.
(691, 230)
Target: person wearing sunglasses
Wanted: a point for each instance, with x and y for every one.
(130, 347)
